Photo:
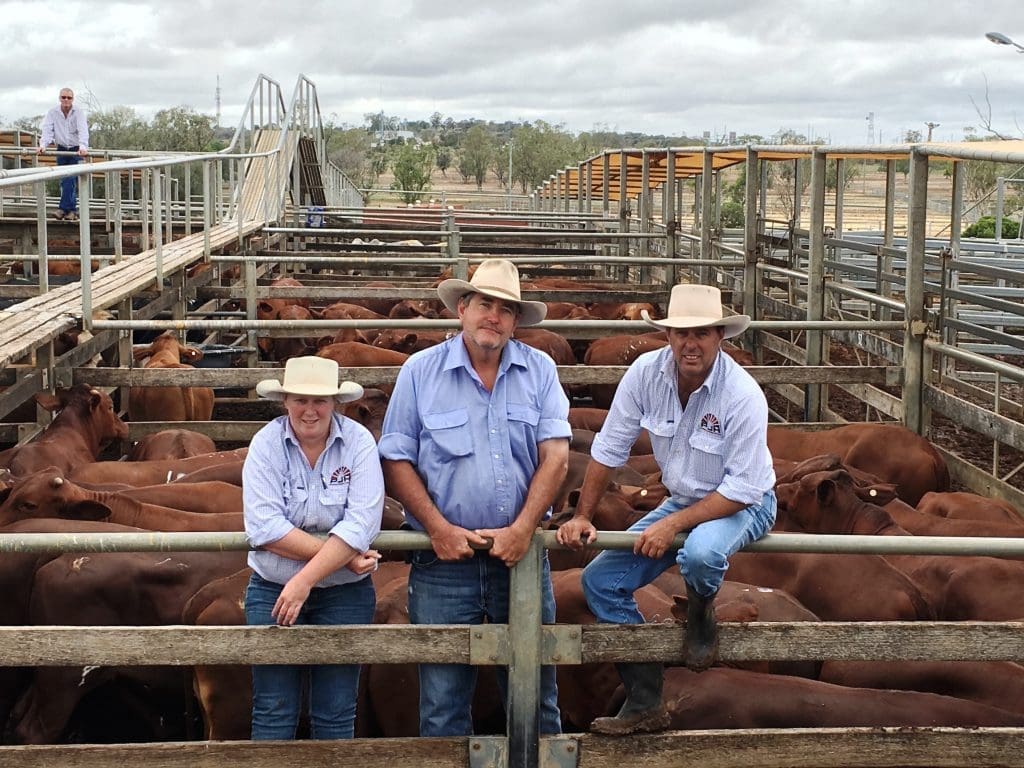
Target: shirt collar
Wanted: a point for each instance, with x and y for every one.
(668, 370)
(458, 357)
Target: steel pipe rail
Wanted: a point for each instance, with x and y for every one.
(411, 540)
(987, 363)
(555, 325)
(301, 257)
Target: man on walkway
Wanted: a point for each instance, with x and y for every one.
(66, 126)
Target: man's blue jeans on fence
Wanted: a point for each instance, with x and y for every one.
(69, 184)
(277, 688)
(469, 592)
(610, 579)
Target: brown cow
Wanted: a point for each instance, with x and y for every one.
(140, 473)
(206, 496)
(618, 350)
(269, 309)
(84, 425)
(283, 348)
(341, 310)
(593, 419)
(48, 493)
(734, 698)
(565, 310)
(350, 354)
(552, 344)
(995, 683)
(169, 403)
(368, 410)
(171, 444)
(888, 451)
(108, 589)
(959, 505)
(958, 588)
(408, 341)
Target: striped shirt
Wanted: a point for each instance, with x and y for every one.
(342, 494)
(65, 131)
(476, 451)
(719, 442)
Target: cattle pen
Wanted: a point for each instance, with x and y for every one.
(912, 325)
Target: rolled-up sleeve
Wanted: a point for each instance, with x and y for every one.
(748, 475)
(399, 438)
(365, 506)
(554, 417)
(263, 485)
(621, 428)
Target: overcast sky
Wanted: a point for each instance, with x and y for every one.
(653, 66)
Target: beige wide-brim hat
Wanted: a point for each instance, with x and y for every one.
(698, 306)
(498, 278)
(312, 377)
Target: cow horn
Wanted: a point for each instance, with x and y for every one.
(872, 492)
(643, 492)
(57, 482)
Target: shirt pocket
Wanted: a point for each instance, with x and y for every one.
(334, 499)
(662, 431)
(709, 449)
(449, 431)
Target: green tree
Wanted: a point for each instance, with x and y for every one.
(412, 168)
(118, 128)
(477, 153)
(443, 160)
(538, 151)
(985, 227)
(183, 129)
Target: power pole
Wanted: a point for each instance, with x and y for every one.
(871, 127)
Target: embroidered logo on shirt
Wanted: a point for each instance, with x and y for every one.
(341, 475)
(709, 423)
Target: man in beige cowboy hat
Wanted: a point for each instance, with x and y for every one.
(475, 444)
(708, 421)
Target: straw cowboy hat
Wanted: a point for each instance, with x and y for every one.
(698, 306)
(312, 377)
(498, 278)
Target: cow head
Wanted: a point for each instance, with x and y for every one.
(48, 493)
(831, 502)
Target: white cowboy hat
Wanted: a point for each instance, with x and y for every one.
(310, 376)
(698, 306)
(498, 278)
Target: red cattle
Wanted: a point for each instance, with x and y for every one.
(958, 505)
(169, 403)
(341, 310)
(140, 473)
(368, 410)
(283, 348)
(734, 698)
(171, 444)
(593, 419)
(555, 346)
(888, 451)
(618, 350)
(352, 354)
(84, 425)
(269, 309)
(410, 308)
(207, 496)
(408, 341)
(224, 692)
(958, 588)
(633, 310)
(108, 589)
(995, 683)
(48, 493)
(564, 310)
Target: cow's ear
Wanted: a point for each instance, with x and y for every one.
(785, 494)
(826, 491)
(47, 401)
(877, 493)
(679, 604)
(4, 494)
(87, 510)
(141, 353)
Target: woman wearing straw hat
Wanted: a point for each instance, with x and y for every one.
(475, 444)
(708, 422)
(310, 471)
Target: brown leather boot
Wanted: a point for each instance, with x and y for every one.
(642, 711)
(701, 631)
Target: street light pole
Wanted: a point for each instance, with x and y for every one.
(1000, 39)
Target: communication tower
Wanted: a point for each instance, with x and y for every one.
(217, 100)
(871, 127)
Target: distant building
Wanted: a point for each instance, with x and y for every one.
(389, 136)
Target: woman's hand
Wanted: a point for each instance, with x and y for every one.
(364, 562)
(290, 601)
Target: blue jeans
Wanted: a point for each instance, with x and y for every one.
(69, 184)
(612, 577)
(468, 592)
(277, 688)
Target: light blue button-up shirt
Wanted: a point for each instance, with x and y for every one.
(476, 451)
(719, 442)
(343, 494)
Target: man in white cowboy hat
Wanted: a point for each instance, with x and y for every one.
(708, 422)
(475, 444)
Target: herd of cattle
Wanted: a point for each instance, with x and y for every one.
(856, 479)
